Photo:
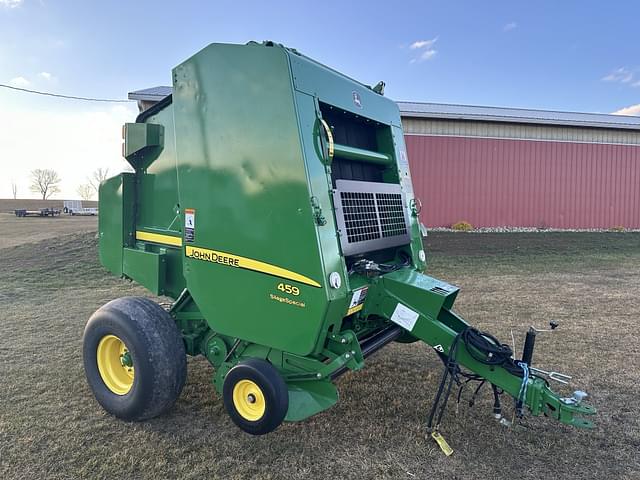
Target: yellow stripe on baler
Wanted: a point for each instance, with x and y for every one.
(237, 261)
(159, 238)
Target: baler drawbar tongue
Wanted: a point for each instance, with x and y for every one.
(422, 305)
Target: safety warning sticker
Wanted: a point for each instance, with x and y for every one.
(189, 224)
(357, 301)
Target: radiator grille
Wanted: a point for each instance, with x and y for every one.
(370, 216)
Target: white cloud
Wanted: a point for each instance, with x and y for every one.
(428, 54)
(632, 110)
(45, 75)
(10, 3)
(636, 84)
(510, 26)
(425, 48)
(19, 81)
(423, 43)
(622, 75)
(74, 143)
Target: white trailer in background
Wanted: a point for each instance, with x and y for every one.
(74, 207)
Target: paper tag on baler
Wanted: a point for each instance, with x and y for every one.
(405, 317)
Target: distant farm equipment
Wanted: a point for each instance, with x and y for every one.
(41, 212)
(74, 207)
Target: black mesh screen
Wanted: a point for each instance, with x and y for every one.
(368, 216)
(360, 217)
(391, 214)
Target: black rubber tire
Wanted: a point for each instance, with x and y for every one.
(273, 387)
(157, 350)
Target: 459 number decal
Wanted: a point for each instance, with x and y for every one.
(290, 289)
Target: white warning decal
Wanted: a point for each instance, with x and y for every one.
(357, 300)
(405, 317)
(358, 297)
(189, 224)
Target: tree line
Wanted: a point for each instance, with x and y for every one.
(46, 182)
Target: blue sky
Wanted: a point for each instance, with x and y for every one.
(570, 55)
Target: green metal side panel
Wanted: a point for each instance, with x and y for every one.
(319, 186)
(157, 207)
(239, 167)
(146, 268)
(157, 196)
(404, 178)
(142, 142)
(115, 223)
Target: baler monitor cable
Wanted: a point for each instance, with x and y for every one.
(485, 349)
(522, 395)
(371, 268)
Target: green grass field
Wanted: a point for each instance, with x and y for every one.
(51, 427)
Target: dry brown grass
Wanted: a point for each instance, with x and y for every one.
(51, 427)
(19, 231)
(462, 226)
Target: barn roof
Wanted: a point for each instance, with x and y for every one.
(517, 115)
(472, 112)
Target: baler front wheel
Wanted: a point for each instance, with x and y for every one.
(134, 358)
(255, 396)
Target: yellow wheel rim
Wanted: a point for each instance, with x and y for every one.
(115, 364)
(249, 400)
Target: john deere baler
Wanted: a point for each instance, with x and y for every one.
(271, 199)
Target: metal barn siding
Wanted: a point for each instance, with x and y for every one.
(493, 182)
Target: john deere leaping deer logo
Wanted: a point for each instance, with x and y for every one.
(356, 99)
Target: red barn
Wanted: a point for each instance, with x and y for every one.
(527, 168)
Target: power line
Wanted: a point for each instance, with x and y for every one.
(72, 97)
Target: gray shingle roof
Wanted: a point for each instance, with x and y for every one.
(470, 112)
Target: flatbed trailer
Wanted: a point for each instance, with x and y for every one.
(74, 207)
(85, 211)
(42, 212)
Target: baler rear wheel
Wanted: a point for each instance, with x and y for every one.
(255, 396)
(134, 358)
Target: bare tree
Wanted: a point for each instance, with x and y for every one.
(98, 176)
(85, 191)
(14, 189)
(44, 182)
